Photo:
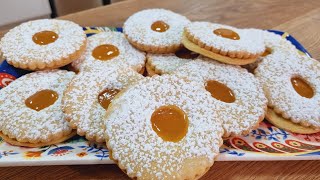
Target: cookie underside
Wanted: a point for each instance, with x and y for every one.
(286, 124)
(195, 48)
(40, 144)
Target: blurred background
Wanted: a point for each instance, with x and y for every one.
(25, 10)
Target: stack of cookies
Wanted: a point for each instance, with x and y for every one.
(161, 95)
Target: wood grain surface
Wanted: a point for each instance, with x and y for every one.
(301, 18)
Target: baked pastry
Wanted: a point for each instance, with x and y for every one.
(167, 63)
(292, 86)
(155, 30)
(241, 104)
(163, 127)
(43, 44)
(106, 48)
(224, 43)
(274, 44)
(30, 112)
(89, 94)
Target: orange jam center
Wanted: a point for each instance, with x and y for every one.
(41, 99)
(105, 52)
(266, 52)
(227, 33)
(186, 54)
(106, 96)
(302, 87)
(220, 91)
(44, 37)
(160, 26)
(170, 123)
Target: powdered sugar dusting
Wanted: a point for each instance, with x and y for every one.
(17, 45)
(276, 44)
(128, 54)
(275, 74)
(251, 41)
(138, 27)
(166, 63)
(250, 103)
(80, 102)
(135, 145)
(23, 123)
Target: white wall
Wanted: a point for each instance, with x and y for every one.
(12, 11)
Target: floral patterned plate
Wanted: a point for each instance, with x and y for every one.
(265, 143)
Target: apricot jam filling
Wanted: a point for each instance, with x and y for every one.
(105, 52)
(160, 26)
(44, 37)
(220, 91)
(170, 123)
(41, 99)
(106, 96)
(227, 33)
(302, 87)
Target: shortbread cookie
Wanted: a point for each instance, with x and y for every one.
(224, 43)
(88, 95)
(274, 44)
(30, 109)
(110, 47)
(167, 63)
(155, 30)
(279, 121)
(43, 44)
(292, 86)
(240, 101)
(163, 127)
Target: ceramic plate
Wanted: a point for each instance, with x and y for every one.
(265, 143)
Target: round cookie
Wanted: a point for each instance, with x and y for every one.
(43, 44)
(163, 127)
(224, 43)
(167, 63)
(109, 47)
(88, 95)
(292, 86)
(274, 44)
(241, 104)
(30, 112)
(155, 30)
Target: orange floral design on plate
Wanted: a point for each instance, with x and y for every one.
(82, 154)
(32, 154)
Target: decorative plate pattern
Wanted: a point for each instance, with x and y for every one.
(265, 143)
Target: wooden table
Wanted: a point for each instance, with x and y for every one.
(301, 18)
